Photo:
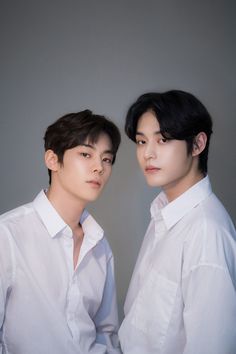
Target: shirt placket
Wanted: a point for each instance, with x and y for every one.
(74, 306)
(73, 294)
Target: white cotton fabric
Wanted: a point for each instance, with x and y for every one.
(45, 305)
(182, 299)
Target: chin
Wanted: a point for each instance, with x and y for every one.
(153, 183)
(92, 198)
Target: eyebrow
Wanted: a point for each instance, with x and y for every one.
(88, 145)
(142, 134)
(92, 147)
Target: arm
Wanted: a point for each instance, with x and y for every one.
(209, 310)
(5, 276)
(106, 319)
(2, 306)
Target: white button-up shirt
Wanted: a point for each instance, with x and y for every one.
(47, 307)
(182, 296)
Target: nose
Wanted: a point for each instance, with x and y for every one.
(150, 151)
(98, 166)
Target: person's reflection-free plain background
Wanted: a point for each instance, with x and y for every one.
(65, 56)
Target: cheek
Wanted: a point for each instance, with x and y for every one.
(139, 156)
(178, 161)
(107, 170)
(176, 155)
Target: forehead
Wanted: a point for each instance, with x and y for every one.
(102, 140)
(148, 123)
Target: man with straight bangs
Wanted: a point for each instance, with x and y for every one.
(57, 287)
(182, 297)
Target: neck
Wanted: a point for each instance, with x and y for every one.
(174, 191)
(68, 207)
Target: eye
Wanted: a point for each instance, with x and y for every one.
(162, 140)
(108, 160)
(140, 142)
(85, 154)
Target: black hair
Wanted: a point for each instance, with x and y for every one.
(180, 115)
(74, 129)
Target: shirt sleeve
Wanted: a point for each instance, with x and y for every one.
(106, 319)
(209, 311)
(5, 275)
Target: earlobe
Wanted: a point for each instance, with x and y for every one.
(199, 143)
(51, 160)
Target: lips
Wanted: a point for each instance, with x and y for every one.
(94, 183)
(151, 169)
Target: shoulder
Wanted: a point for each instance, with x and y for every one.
(13, 224)
(210, 217)
(16, 213)
(216, 213)
(211, 236)
(15, 216)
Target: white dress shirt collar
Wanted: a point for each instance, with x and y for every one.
(55, 224)
(174, 211)
(74, 307)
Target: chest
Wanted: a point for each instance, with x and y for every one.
(46, 275)
(162, 254)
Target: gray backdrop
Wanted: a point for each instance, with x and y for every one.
(63, 56)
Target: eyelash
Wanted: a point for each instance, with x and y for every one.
(164, 140)
(85, 154)
(105, 159)
(159, 141)
(140, 142)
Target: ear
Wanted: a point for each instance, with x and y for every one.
(51, 160)
(199, 143)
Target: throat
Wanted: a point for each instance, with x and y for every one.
(180, 186)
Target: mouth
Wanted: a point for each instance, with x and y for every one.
(152, 169)
(94, 183)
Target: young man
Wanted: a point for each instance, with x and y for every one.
(57, 288)
(181, 299)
